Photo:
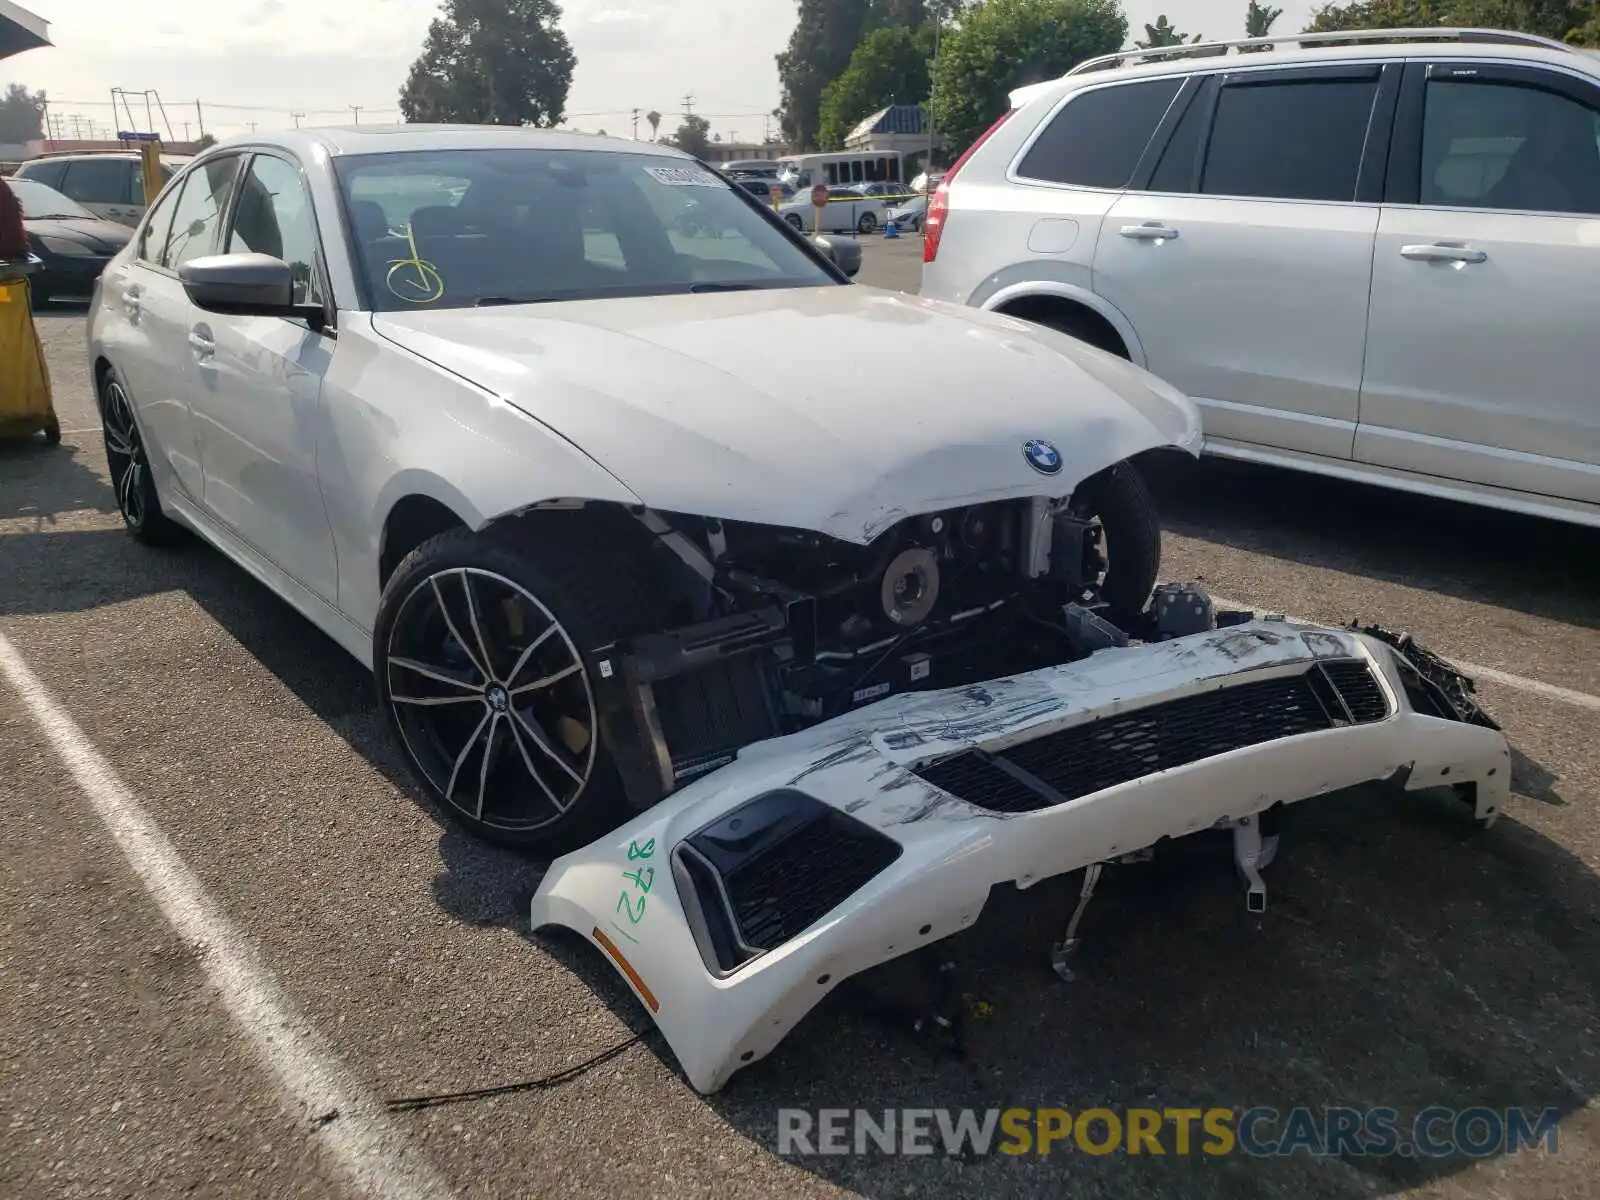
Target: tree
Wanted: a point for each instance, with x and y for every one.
(1163, 34)
(1259, 19)
(655, 123)
(693, 136)
(204, 142)
(493, 62)
(1003, 44)
(825, 36)
(890, 66)
(21, 115)
(1559, 19)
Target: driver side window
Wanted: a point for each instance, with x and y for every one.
(197, 217)
(274, 217)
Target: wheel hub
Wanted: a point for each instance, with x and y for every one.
(499, 700)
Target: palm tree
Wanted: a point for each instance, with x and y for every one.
(1258, 19)
(655, 122)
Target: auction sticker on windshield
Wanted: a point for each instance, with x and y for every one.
(683, 177)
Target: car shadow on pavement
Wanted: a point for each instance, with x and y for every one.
(43, 481)
(1541, 567)
(1406, 960)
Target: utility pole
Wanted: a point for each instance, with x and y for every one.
(636, 124)
(356, 108)
(186, 131)
(200, 117)
(688, 105)
(252, 125)
(297, 117)
(933, 88)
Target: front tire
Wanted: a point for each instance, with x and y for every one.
(483, 660)
(868, 223)
(129, 463)
(794, 220)
(1127, 513)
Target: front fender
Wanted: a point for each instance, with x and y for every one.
(466, 448)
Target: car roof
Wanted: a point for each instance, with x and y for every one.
(1268, 52)
(338, 141)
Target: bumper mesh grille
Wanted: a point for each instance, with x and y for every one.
(1114, 750)
(783, 893)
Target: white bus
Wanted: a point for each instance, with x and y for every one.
(843, 168)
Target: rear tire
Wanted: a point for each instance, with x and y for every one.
(1127, 512)
(483, 658)
(795, 221)
(129, 463)
(868, 223)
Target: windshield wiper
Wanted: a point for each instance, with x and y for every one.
(726, 287)
(495, 301)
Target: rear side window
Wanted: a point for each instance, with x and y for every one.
(1097, 138)
(48, 173)
(100, 181)
(1292, 140)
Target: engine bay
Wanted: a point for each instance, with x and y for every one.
(791, 627)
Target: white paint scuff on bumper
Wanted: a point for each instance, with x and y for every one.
(623, 894)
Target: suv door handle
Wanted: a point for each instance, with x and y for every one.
(1440, 252)
(1150, 231)
(130, 301)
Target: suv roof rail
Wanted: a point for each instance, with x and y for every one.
(1272, 41)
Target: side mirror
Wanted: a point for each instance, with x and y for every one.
(244, 285)
(845, 253)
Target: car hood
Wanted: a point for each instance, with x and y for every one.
(840, 409)
(104, 237)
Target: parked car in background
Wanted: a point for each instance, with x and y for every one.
(883, 190)
(1373, 261)
(908, 215)
(72, 244)
(762, 188)
(110, 184)
(848, 211)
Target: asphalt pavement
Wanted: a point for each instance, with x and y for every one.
(1407, 959)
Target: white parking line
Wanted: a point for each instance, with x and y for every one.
(1521, 683)
(319, 1091)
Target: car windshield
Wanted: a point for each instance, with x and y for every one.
(458, 228)
(41, 203)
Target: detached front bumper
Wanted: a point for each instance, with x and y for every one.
(736, 904)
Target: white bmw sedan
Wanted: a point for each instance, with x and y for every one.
(571, 442)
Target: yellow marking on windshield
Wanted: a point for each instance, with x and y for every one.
(412, 279)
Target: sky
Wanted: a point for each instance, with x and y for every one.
(274, 58)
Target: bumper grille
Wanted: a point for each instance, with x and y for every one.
(782, 894)
(771, 869)
(1115, 750)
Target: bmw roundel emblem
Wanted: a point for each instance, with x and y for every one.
(1042, 456)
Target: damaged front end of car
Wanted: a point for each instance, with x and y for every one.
(763, 876)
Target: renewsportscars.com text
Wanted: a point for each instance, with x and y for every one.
(1435, 1132)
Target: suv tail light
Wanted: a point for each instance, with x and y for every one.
(939, 202)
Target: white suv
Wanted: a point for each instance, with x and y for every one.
(1377, 261)
(109, 184)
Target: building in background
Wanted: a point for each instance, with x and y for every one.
(898, 129)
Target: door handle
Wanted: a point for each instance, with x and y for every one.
(130, 302)
(1440, 252)
(202, 343)
(1150, 231)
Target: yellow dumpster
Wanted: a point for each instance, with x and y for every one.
(26, 407)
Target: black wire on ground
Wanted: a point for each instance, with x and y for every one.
(567, 1075)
